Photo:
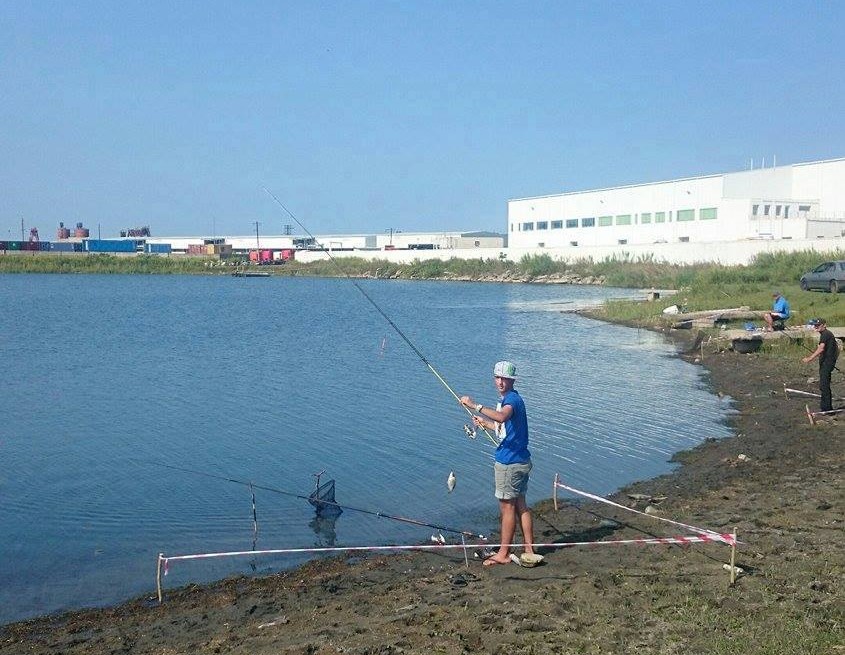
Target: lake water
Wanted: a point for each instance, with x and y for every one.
(107, 378)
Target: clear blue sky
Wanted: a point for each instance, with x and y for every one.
(418, 115)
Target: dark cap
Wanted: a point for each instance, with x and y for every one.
(816, 321)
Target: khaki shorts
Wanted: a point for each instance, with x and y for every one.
(511, 480)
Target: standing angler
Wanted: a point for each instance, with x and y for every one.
(513, 461)
(827, 352)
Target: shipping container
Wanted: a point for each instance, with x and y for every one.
(63, 246)
(158, 248)
(285, 255)
(109, 245)
(15, 245)
(45, 246)
(4, 245)
(261, 256)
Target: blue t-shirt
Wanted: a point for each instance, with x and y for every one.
(781, 307)
(513, 448)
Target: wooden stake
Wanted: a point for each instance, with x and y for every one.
(733, 558)
(158, 576)
(554, 488)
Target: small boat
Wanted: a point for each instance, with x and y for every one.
(250, 274)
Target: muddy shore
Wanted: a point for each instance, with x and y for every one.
(778, 481)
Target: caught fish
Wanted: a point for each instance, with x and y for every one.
(438, 538)
(470, 432)
(451, 481)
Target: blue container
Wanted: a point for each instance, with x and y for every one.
(4, 245)
(63, 246)
(109, 245)
(45, 246)
(158, 248)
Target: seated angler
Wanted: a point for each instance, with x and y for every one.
(779, 313)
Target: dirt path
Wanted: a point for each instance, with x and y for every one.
(784, 496)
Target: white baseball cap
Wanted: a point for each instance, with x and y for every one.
(504, 370)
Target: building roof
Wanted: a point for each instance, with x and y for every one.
(680, 179)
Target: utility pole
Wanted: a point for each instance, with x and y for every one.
(391, 230)
(23, 238)
(257, 244)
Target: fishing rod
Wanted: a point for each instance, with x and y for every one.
(379, 514)
(812, 350)
(384, 316)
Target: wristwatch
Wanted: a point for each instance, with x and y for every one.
(478, 407)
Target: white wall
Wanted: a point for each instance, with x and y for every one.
(729, 253)
(825, 182)
(821, 185)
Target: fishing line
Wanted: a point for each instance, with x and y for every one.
(812, 350)
(380, 311)
(379, 514)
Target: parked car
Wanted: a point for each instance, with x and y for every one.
(829, 276)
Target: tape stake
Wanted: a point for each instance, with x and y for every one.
(733, 557)
(158, 576)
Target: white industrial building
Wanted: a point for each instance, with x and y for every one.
(800, 201)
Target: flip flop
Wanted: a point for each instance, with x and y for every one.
(492, 561)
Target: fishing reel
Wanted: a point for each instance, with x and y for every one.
(472, 433)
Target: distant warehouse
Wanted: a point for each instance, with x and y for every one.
(799, 201)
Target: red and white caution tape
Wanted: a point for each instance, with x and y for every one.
(712, 534)
(679, 540)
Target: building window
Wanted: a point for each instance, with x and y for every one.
(573, 243)
(778, 210)
(786, 211)
(511, 227)
(478, 244)
(766, 209)
(557, 225)
(588, 222)
(542, 225)
(605, 221)
(645, 218)
(659, 217)
(541, 245)
(623, 242)
(527, 227)
(686, 215)
(683, 239)
(755, 209)
(623, 219)
(707, 214)
(572, 222)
